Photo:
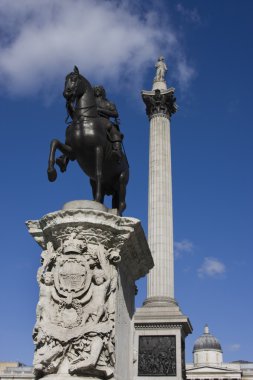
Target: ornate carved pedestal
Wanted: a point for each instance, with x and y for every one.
(89, 264)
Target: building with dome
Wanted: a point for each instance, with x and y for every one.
(207, 350)
(208, 362)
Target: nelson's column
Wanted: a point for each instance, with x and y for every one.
(160, 326)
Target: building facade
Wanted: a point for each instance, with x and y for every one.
(15, 371)
(208, 362)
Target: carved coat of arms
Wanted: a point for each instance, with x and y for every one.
(75, 314)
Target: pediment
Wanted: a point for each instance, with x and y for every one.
(209, 369)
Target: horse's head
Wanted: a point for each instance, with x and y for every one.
(74, 85)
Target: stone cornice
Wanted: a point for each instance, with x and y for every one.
(97, 227)
(157, 325)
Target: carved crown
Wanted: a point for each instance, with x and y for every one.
(74, 245)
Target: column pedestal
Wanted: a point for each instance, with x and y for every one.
(91, 259)
(159, 343)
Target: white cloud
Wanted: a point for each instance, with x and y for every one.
(190, 14)
(183, 246)
(211, 267)
(40, 41)
(234, 347)
(184, 73)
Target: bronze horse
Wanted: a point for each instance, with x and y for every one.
(88, 143)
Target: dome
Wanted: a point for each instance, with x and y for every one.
(207, 342)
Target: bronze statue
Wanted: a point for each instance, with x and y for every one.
(91, 139)
(107, 109)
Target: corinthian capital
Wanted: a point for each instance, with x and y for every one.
(160, 102)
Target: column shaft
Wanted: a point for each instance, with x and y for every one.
(160, 218)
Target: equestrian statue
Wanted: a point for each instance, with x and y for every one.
(93, 140)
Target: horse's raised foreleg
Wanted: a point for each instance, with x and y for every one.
(98, 196)
(65, 149)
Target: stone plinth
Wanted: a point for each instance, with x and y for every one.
(91, 259)
(159, 343)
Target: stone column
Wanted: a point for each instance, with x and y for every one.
(160, 325)
(160, 221)
(160, 104)
(90, 261)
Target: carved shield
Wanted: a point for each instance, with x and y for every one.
(72, 276)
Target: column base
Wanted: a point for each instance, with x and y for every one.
(159, 342)
(160, 301)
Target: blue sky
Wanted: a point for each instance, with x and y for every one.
(209, 53)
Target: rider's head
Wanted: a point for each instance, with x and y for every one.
(99, 91)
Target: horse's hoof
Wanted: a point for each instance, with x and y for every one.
(52, 175)
(122, 207)
(62, 163)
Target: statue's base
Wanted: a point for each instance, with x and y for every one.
(159, 85)
(88, 205)
(90, 261)
(159, 343)
(69, 377)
